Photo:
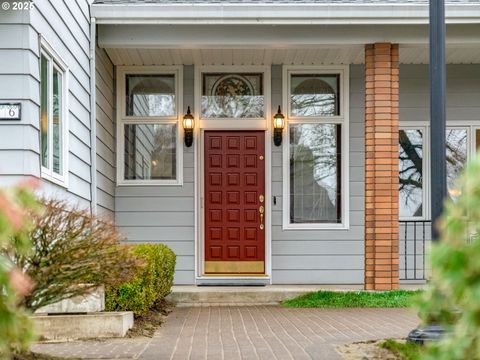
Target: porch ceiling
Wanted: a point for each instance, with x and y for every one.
(279, 56)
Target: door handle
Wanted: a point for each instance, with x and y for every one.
(261, 210)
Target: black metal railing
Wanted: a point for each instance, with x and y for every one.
(415, 238)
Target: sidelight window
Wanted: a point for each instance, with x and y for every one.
(315, 184)
(315, 173)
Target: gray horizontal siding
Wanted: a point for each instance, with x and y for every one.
(19, 142)
(323, 256)
(164, 214)
(105, 143)
(463, 93)
(66, 28)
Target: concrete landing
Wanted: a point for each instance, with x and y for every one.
(191, 295)
(245, 295)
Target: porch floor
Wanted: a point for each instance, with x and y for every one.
(248, 332)
(191, 295)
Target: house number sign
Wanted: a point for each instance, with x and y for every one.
(10, 111)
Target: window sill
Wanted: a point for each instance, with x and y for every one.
(149, 183)
(60, 181)
(290, 227)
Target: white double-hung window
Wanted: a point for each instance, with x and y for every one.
(315, 168)
(53, 116)
(149, 144)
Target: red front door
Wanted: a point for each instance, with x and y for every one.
(234, 202)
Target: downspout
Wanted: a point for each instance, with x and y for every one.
(93, 119)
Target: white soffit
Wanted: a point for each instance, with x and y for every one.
(314, 56)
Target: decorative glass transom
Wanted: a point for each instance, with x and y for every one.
(233, 95)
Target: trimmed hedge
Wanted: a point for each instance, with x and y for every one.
(150, 286)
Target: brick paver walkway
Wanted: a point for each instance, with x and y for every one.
(248, 332)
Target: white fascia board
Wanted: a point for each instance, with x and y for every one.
(279, 14)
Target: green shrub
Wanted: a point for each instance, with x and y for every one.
(149, 286)
(453, 295)
(73, 252)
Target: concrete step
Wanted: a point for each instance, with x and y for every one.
(245, 295)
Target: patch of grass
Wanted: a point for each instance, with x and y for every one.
(353, 299)
(405, 350)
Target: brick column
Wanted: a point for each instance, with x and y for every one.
(381, 167)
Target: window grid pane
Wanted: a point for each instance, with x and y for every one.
(315, 173)
(313, 95)
(44, 115)
(150, 152)
(411, 172)
(457, 148)
(150, 95)
(57, 122)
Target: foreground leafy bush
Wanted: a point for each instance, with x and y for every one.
(150, 285)
(15, 327)
(73, 252)
(453, 296)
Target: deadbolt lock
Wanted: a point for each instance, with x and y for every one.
(261, 157)
(261, 198)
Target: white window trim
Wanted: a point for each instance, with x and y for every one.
(343, 119)
(123, 119)
(471, 126)
(55, 61)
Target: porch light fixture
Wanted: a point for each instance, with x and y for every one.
(188, 125)
(278, 126)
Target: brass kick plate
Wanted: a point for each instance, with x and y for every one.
(236, 267)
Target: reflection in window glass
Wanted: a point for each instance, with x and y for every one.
(314, 95)
(57, 124)
(315, 192)
(150, 95)
(456, 142)
(150, 151)
(411, 172)
(44, 110)
(234, 95)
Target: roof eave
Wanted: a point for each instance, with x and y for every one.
(279, 14)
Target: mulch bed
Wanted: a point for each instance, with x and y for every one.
(366, 350)
(149, 323)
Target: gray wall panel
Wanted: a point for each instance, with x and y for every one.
(163, 214)
(305, 256)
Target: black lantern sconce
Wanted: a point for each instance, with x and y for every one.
(188, 125)
(278, 126)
